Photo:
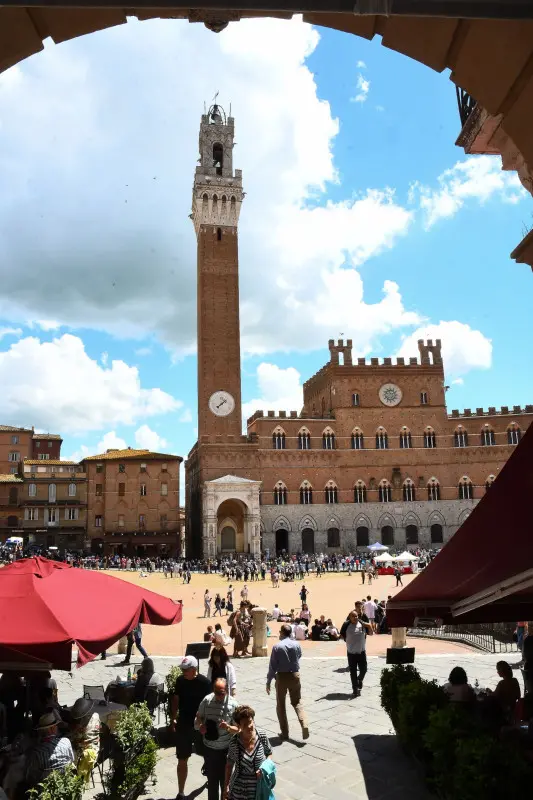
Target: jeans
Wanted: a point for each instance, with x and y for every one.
(215, 769)
(140, 648)
(357, 663)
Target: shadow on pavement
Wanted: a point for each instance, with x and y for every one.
(336, 696)
(387, 770)
(276, 741)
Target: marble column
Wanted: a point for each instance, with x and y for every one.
(259, 617)
(399, 637)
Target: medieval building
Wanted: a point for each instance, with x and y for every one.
(373, 454)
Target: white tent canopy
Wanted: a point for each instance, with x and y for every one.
(406, 556)
(383, 558)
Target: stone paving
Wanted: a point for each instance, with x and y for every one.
(351, 753)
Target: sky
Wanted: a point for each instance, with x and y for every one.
(361, 218)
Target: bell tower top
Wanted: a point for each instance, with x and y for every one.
(217, 190)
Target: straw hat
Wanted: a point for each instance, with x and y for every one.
(47, 720)
(81, 708)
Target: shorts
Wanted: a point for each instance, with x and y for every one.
(188, 740)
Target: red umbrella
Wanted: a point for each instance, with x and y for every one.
(47, 606)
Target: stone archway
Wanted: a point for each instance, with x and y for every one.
(282, 541)
(232, 503)
(308, 541)
(488, 52)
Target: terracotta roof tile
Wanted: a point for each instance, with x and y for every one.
(42, 462)
(10, 478)
(13, 429)
(120, 455)
(47, 436)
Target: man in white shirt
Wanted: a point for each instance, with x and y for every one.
(299, 631)
(276, 611)
(370, 611)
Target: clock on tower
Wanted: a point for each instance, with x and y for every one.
(216, 204)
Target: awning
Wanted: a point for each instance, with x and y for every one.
(485, 572)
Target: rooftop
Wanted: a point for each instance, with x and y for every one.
(52, 462)
(14, 429)
(48, 436)
(131, 453)
(10, 478)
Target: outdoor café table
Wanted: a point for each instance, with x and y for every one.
(109, 708)
(122, 693)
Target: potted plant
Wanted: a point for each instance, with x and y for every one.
(135, 754)
(392, 679)
(60, 785)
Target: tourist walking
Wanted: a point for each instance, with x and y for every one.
(247, 754)
(218, 604)
(134, 637)
(398, 576)
(213, 719)
(354, 633)
(285, 668)
(207, 603)
(229, 600)
(189, 690)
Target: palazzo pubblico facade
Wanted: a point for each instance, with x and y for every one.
(372, 454)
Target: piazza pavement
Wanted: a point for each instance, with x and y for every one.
(352, 753)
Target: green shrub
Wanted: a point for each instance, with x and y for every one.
(60, 785)
(446, 726)
(392, 679)
(489, 769)
(416, 701)
(133, 726)
(135, 756)
(140, 769)
(171, 678)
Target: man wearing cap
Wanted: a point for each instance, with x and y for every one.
(189, 691)
(51, 752)
(215, 714)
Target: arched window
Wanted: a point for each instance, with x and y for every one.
(361, 536)
(460, 437)
(13, 496)
(488, 483)
(487, 436)
(465, 489)
(405, 439)
(359, 492)
(355, 399)
(228, 538)
(382, 440)
(513, 434)
(218, 157)
(52, 493)
(304, 439)
(358, 442)
(306, 493)
(437, 536)
(334, 537)
(429, 438)
(328, 439)
(411, 535)
(423, 398)
(385, 492)
(409, 492)
(278, 439)
(72, 490)
(433, 489)
(387, 535)
(280, 494)
(330, 493)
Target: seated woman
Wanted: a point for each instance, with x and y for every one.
(305, 614)
(220, 666)
(146, 677)
(457, 688)
(84, 731)
(330, 632)
(507, 692)
(316, 630)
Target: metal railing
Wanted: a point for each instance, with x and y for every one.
(466, 104)
(492, 637)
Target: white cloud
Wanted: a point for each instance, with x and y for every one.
(132, 234)
(361, 65)
(48, 324)
(463, 348)
(186, 416)
(147, 439)
(458, 382)
(279, 390)
(478, 178)
(363, 88)
(57, 386)
(143, 351)
(10, 332)
(104, 358)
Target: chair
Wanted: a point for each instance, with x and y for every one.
(155, 697)
(95, 693)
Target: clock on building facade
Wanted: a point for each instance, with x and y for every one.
(221, 403)
(390, 394)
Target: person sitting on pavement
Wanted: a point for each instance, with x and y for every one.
(299, 631)
(52, 751)
(208, 635)
(316, 630)
(305, 614)
(330, 632)
(276, 612)
(457, 688)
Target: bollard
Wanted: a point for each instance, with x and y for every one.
(122, 645)
(259, 632)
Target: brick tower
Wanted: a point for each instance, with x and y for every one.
(216, 205)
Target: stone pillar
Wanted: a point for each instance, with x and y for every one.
(259, 647)
(399, 637)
